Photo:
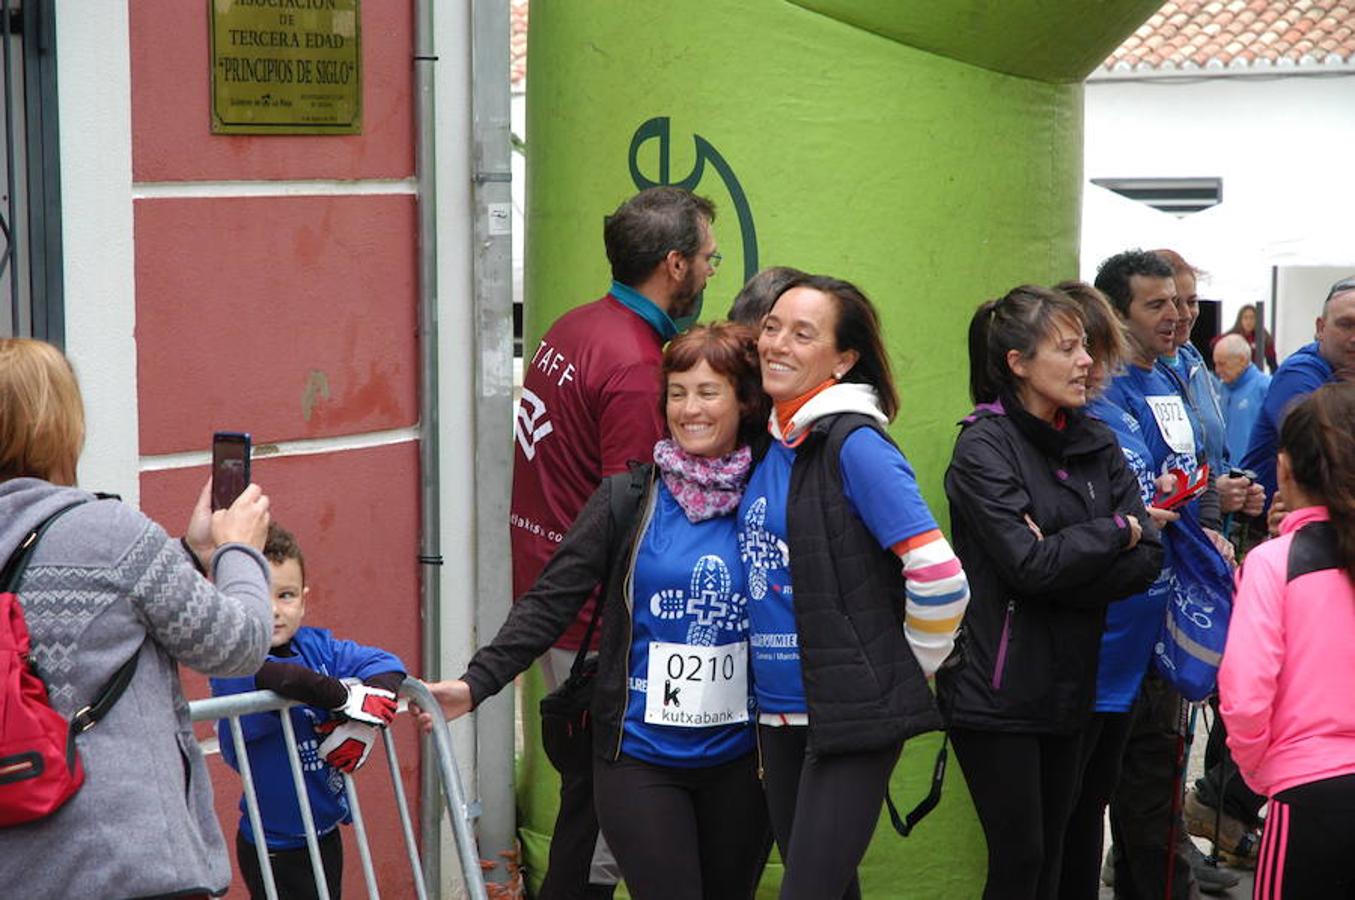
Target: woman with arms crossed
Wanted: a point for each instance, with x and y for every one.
(837, 540)
(1051, 528)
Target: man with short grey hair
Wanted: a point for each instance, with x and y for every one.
(1244, 390)
(1329, 357)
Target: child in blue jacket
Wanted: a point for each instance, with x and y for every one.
(349, 692)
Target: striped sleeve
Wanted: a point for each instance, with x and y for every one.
(937, 594)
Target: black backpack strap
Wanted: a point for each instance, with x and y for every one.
(904, 825)
(88, 717)
(14, 569)
(10, 577)
(626, 503)
(627, 488)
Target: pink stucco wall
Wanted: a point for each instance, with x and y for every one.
(171, 105)
(292, 317)
(355, 514)
(288, 317)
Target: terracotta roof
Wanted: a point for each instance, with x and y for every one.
(1244, 35)
(517, 64)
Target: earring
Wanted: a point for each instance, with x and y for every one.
(837, 375)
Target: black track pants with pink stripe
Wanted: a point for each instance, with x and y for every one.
(1308, 847)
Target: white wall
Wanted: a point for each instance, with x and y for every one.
(1300, 292)
(94, 99)
(1282, 146)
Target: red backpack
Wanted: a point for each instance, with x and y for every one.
(39, 766)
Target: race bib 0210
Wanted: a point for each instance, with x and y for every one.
(697, 687)
(1173, 422)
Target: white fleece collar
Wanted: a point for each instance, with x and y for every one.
(843, 397)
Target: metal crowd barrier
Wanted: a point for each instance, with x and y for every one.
(233, 706)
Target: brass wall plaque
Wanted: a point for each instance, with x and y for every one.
(286, 66)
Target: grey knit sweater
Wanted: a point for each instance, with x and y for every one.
(104, 583)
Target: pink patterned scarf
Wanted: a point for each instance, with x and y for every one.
(704, 486)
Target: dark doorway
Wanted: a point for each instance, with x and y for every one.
(1206, 328)
(30, 197)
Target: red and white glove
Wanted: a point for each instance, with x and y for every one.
(346, 744)
(367, 704)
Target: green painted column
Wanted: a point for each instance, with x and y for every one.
(929, 151)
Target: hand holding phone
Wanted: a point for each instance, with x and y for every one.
(246, 522)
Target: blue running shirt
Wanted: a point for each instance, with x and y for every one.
(1132, 623)
(688, 589)
(879, 484)
(1153, 399)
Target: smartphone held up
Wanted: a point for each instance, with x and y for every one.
(230, 467)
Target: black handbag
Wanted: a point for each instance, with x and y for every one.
(566, 723)
(566, 719)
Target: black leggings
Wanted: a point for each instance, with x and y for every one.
(684, 834)
(1023, 787)
(823, 810)
(1308, 844)
(292, 868)
(1103, 744)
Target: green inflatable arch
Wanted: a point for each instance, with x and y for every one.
(928, 150)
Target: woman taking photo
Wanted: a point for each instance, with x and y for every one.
(1050, 526)
(835, 538)
(678, 801)
(106, 591)
(1284, 685)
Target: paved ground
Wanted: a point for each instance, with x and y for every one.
(1243, 890)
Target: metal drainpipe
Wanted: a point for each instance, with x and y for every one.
(492, 262)
(491, 209)
(430, 518)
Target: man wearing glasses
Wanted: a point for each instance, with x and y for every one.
(590, 403)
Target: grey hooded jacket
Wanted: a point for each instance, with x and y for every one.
(104, 583)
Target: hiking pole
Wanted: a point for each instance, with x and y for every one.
(1223, 787)
(1185, 733)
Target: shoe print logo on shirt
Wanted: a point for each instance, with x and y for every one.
(528, 427)
(1142, 474)
(760, 550)
(710, 602)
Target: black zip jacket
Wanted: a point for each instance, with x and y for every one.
(864, 687)
(542, 614)
(1032, 633)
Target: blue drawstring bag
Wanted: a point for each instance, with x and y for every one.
(1199, 604)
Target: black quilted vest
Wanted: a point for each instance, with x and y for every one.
(864, 687)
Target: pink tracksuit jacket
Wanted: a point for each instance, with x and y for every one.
(1287, 682)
